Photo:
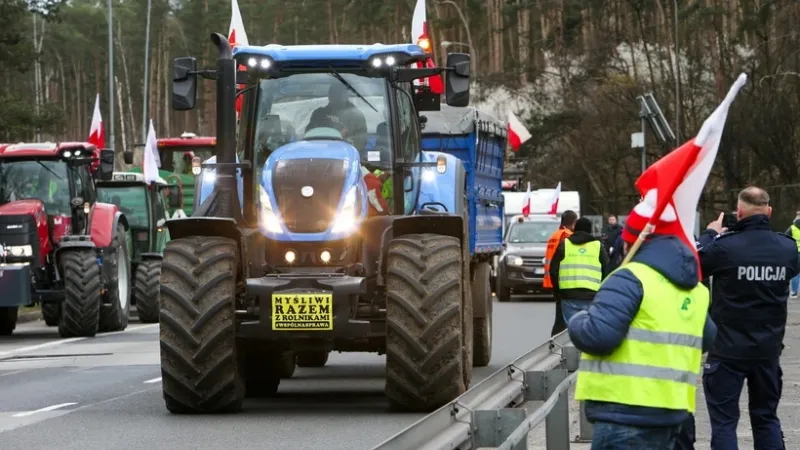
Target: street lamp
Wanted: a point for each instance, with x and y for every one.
(466, 28)
(446, 44)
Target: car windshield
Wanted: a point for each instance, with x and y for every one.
(131, 200)
(333, 106)
(179, 159)
(44, 180)
(531, 232)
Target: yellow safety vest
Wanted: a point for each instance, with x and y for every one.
(580, 268)
(796, 235)
(658, 363)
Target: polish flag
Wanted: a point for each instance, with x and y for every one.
(151, 161)
(517, 133)
(671, 187)
(554, 201)
(526, 202)
(419, 36)
(97, 135)
(237, 36)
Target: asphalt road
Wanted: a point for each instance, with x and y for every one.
(104, 392)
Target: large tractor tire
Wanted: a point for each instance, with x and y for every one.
(8, 320)
(312, 359)
(145, 290)
(424, 322)
(288, 364)
(199, 365)
(83, 284)
(261, 369)
(51, 313)
(482, 326)
(503, 293)
(115, 313)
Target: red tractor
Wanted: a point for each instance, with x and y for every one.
(59, 247)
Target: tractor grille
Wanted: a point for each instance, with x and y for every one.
(313, 214)
(20, 230)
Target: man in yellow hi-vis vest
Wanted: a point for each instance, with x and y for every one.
(579, 265)
(794, 232)
(642, 341)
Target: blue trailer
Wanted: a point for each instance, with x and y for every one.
(325, 225)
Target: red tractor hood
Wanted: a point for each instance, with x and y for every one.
(35, 209)
(21, 207)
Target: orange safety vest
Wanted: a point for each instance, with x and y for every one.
(552, 246)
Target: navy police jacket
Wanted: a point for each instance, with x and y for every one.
(603, 328)
(752, 267)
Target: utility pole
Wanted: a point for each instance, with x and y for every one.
(146, 94)
(677, 80)
(650, 112)
(111, 95)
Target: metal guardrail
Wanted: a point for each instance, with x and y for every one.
(491, 413)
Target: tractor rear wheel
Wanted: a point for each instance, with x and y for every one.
(312, 358)
(482, 326)
(51, 313)
(80, 311)
(8, 320)
(424, 322)
(114, 314)
(145, 290)
(199, 364)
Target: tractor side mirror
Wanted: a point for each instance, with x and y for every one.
(184, 83)
(175, 195)
(457, 80)
(128, 156)
(106, 168)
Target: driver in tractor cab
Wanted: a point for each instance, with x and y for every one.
(187, 162)
(350, 121)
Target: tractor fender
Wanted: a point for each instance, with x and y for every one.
(103, 221)
(442, 192)
(203, 226)
(151, 256)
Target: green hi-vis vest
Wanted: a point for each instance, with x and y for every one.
(658, 363)
(796, 235)
(581, 267)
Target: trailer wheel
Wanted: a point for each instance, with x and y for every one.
(145, 290)
(503, 293)
(8, 320)
(424, 336)
(312, 358)
(114, 314)
(83, 283)
(482, 326)
(51, 313)
(199, 367)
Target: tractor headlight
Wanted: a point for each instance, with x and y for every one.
(268, 218)
(196, 166)
(346, 220)
(514, 260)
(20, 250)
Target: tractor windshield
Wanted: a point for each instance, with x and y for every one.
(179, 159)
(131, 200)
(338, 106)
(45, 180)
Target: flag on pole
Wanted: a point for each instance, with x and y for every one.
(526, 202)
(517, 133)
(237, 36)
(97, 135)
(672, 186)
(419, 36)
(151, 161)
(554, 201)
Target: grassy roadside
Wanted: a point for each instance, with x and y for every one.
(29, 309)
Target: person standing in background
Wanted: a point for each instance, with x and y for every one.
(564, 231)
(579, 266)
(794, 232)
(612, 231)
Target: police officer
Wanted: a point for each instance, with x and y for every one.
(752, 266)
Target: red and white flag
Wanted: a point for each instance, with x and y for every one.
(517, 133)
(419, 36)
(237, 36)
(526, 202)
(672, 186)
(554, 201)
(97, 135)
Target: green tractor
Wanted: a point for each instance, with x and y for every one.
(145, 206)
(178, 156)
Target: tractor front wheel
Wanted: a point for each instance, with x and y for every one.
(80, 311)
(114, 314)
(145, 290)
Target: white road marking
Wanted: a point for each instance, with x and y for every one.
(14, 372)
(48, 408)
(154, 380)
(33, 348)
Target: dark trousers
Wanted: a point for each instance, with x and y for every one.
(559, 324)
(723, 382)
(686, 438)
(612, 436)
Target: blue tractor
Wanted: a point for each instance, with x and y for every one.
(321, 225)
